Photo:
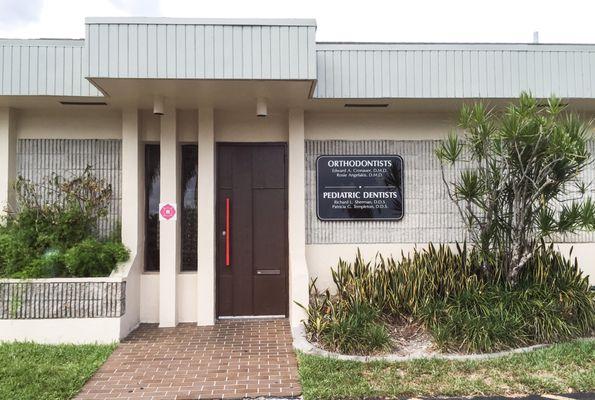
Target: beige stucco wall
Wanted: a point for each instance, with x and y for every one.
(150, 126)
(375, 125)
(185, 297)
(68, 123)
(149, 297)
(585, 255)
(231, 126)
(322, 258)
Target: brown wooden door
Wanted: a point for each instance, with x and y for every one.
(252, 254)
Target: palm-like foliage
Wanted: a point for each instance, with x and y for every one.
(521, 178)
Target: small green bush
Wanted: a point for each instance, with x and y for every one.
(475, 321)
(356, 331)
(94, 258)
(58, 237)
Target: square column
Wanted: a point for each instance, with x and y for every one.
(132, 182)
(298, 268)
(169, 230)
(132, 215)
(8, 155)
(206, 218)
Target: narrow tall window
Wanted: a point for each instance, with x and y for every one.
(152, 193)
(188, 216)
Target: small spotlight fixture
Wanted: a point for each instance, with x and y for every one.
(158, 105)
(261, 107)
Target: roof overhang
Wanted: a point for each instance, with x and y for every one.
(193, 93)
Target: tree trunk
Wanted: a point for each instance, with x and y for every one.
(520, 257)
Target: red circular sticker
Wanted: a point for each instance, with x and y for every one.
(168, 211)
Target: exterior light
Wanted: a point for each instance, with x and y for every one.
(261, 107)
(158, 105)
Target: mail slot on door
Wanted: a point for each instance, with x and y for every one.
(268, 272)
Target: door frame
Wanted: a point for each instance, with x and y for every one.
(218, 146)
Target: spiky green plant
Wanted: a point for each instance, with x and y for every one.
(449, 292)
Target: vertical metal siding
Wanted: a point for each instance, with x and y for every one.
(193, 51)
(429, 215)
(43, 67)
(38, 159)
(453, 71)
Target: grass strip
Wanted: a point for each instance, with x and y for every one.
(48, 372)
(562, 368)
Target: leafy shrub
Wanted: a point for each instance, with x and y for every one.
(499, 319)
(464, 308)
(356, 331)
(94, 258)
(349, 328)
(56, 235)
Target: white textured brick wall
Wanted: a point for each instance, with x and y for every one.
(37, 159)
(429, 215)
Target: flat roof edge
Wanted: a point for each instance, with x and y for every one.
(362, 46)
(42, 42)
(202, 21)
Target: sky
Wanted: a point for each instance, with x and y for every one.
(557, 21)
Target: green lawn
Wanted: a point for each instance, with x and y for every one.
(33, 371)
(561, 368)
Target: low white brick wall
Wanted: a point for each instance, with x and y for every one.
(63, 310)
(63, 330)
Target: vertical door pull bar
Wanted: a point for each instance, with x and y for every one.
(228, 234)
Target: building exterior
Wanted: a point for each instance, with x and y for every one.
(216, 133)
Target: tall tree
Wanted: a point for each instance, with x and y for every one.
(521, 178)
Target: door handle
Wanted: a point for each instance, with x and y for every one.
(268, 272)
(227, 234)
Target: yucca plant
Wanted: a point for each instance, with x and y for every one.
(446, 289)
(521, 178)
(320, 311)
(551, 302)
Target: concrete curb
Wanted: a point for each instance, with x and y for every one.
(301, 344)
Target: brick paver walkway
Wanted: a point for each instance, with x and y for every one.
(233, 359)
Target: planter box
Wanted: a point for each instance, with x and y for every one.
(48, 299)
(63, 310)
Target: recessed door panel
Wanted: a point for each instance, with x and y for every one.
(269, 250)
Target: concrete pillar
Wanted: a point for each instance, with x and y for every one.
(298, 269)
(206, 218)
(169, 231)
(132, 215)
(8, 156)
(132, 182)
